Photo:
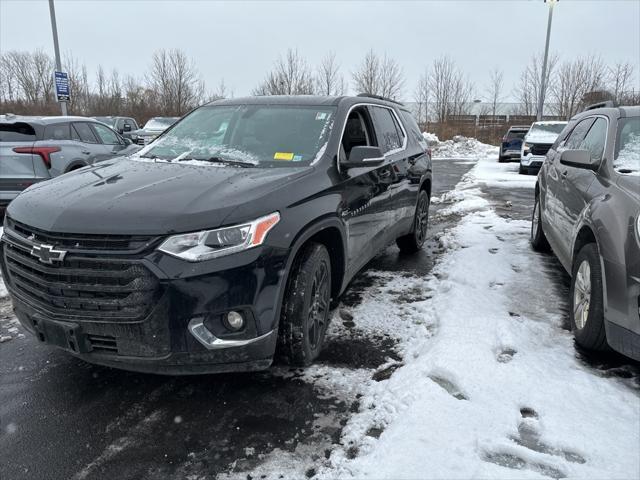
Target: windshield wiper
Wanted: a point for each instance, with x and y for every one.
(225, 161)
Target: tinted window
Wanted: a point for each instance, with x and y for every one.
(83, 133)
(627, 158)
(575, 138)
(17, 132)
(594, 140)
(386, 129)
(60, 131)
(107, 136)
(412, 126)
(512, 135)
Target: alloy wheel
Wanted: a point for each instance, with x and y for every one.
(582, 295)
(319, 306)
(422, 219)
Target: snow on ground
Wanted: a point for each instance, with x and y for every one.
(489, 385)
(459, 147)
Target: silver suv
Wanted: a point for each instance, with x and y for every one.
(33, 149)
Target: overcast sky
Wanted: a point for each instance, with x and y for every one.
(238, 41)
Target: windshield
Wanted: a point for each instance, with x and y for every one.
(107, 120)
(548, 128)
(627, 159)
(270, 135)
(160, 123)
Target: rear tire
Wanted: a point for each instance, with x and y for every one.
(538, 239)
(305, 308)
(500, 159)
(413, 242)
(587, 306)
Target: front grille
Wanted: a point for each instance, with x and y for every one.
(81, 287)
(74, 241)
(540, 148)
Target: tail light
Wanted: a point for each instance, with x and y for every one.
(44, 152)
(429, 152)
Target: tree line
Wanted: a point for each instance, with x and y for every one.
(172, 85)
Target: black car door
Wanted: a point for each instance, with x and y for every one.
(365, 195)
(392, 139)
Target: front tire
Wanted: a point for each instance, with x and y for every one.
(522, 170)
(305, 308)
(587, 306)
(538, 239)
(413, 242)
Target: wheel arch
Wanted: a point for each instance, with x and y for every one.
(75, 165)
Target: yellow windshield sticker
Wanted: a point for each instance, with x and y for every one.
(283, 156)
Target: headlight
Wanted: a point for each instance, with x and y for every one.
(638, 226)
(199, 246)
(527, 147)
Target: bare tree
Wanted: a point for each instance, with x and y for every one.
(422, 97)
(78, 85)
(620, 82)
(379, 76)
(575, 79)
(449, 88)
(32, 75)
(291, 75)
(176, 81)
(328, 78)
(494, 90)
(528, 89)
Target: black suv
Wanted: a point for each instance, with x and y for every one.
(587, 209)
(224, 240)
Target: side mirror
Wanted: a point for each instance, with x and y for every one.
(362, 157)
(578, 159)
(127, 141)
(127, 127)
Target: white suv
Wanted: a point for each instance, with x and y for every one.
(537, 143)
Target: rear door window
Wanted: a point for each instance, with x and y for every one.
(83, 133)
(17, 132)
(595, 140)
(106, 135)
(60, 131)
(627, 159)
(386, 129)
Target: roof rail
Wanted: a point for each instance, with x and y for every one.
(607, 104)
(379, 97)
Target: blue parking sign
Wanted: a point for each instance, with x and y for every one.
(62, 86)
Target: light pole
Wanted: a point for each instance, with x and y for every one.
(54, 28)
(543, 82)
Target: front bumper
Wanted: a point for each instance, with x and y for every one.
(532, 161)
(165, 341)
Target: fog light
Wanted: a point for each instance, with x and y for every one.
(235, 320)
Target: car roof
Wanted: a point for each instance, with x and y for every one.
(519, 127)
(44, 120)
(614, 112)
(304, 100)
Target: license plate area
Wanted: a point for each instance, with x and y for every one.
(60, 334)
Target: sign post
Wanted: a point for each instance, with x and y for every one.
(61, 78)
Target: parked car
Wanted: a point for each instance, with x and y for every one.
(154, 127)
(123, 125)
(33, 149)
(511, 145)
(587, 209)
(224, 240)
(537, 143)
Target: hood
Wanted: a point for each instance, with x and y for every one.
(127, 196)
(541, 137)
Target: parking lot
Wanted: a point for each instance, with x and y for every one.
(387, 345)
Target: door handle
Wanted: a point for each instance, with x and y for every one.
(85, 152)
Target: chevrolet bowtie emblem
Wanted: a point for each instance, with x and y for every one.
(47, 254)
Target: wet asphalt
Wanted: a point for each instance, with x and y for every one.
(61, 418)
